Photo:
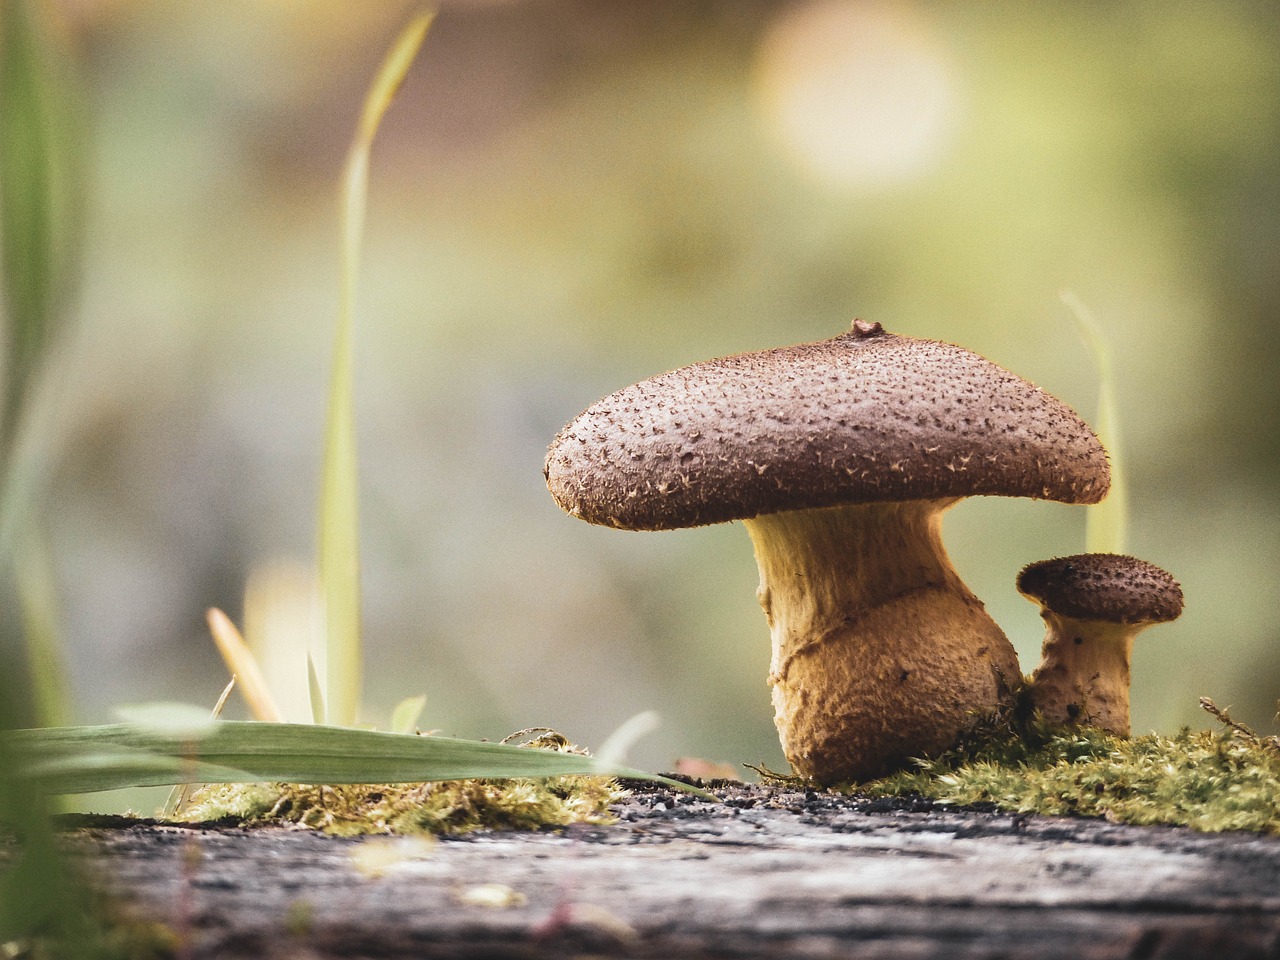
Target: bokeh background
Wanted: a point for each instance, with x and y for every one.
(569, 196)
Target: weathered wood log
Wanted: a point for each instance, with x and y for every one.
(768, 873)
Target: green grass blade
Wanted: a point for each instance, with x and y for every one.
(404, 718)
(39, 231)
(38, 600)
(40, 197)
(83, 771)
(26, 202)
(39, 895)
(1107, 523)
(339, 528)
(315, 690)
(176, 721)
(114, 756)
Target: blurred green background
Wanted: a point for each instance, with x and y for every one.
(571, 196)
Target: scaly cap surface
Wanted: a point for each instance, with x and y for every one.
(865, 417)
(1103, 586)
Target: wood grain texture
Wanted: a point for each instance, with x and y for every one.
(768, 873)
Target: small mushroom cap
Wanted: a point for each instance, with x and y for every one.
(1103, 586)
(866, 417)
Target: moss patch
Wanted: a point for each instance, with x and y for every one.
(456, 806)
(1208, 780)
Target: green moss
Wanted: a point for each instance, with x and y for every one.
(1208, 780)
(456, 806)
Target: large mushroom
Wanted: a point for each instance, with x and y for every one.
(1093, 606)
(840, 458)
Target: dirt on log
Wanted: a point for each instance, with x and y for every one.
(766, 873)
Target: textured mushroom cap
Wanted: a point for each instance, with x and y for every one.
(1103, 586)
(866, 417)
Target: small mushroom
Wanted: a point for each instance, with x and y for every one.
(1093, 605)
(840, 458)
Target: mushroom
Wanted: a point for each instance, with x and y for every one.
(840, 458)
(1093, 605)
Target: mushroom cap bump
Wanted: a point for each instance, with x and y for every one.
(864, 417)
(1103, 586)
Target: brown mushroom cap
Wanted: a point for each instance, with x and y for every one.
(1103, 586)
(866, 417)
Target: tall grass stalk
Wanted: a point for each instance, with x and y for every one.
(39, 243)
(1107, 523)
(39, 896)
(46, 662)
(339, 529)
(27, 205)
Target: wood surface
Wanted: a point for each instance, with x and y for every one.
(766, 873)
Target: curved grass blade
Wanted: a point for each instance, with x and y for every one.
(114, 756)
(243, 665)
(404, 718)
(339, 528)
(615, 747)
(1107, 523)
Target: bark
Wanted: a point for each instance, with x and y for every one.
(768, 873)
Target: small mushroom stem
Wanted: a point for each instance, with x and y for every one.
(880, 652)
(1083, 676)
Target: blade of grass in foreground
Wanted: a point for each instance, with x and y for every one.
(115, 756)
(38, 601)
(39, 235)
(1107, 523)
(39, 893)
(28, 205)
(339, 529)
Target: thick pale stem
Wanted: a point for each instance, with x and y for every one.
(880, 652)
(1083, 675)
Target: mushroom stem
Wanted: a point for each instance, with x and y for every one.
(1083, 676)
(880, 652)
